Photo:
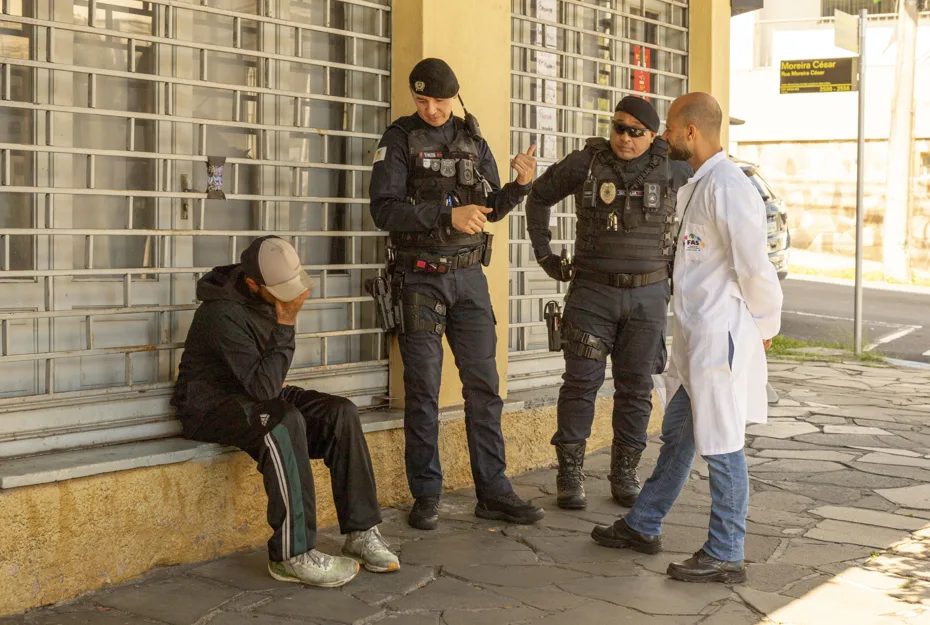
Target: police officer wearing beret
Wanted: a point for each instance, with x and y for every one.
(434, 185)
(625, 194)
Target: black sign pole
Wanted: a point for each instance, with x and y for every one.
(860, 184)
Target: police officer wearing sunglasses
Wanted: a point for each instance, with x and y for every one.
(625, 194)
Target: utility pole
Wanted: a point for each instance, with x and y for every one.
(900, 147)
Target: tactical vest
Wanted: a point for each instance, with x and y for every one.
(626, 215)
(441, 173)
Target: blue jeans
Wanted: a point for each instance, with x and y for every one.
(729, 485)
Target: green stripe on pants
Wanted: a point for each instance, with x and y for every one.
(292, 477)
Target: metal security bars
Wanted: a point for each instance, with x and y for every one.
(572, 61)
(116, 117)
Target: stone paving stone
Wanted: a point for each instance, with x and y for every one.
(179, 601)
(803, 588)
(781, 500)
(375, 588)
(617, 568)
(851, 479)
(245, 571)
(681, 539)
(798, 466)
(843, 601)
(732, 613)
(323, 604)
(447, 593)
(659, 562)
(907, 453)
(891, 426)
(409, 619)
(781, 430)
(652, 595)
(602, 613)
(488, 548)
(760, 443)
(84, 616)
(850, 384)
(826, 420)
(854, 430)
(896, 471)
(784, 411)
(895, 459)
(823, 493)
(519, 576)
(874, 502)
(774, 577)
(237, 618)
(901, 566)
(576, 549)
(910, 496)
(546, 598)
(501, 616)
(764, 602)
(778, 518)
(794, 454)
(813, 554)
(870, 517)
(760, 529)
(855, 534)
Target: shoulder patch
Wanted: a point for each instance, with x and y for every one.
(598, 143)
(379, 155)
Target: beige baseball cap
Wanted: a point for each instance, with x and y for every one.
(273, 262)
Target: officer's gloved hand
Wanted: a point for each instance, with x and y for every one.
(552, 265)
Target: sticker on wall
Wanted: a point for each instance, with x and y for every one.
(215, 166)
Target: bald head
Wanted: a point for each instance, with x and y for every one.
(692, 128)
(699, 110)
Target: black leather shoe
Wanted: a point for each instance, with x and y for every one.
(620, 536)
(702, 568)
(569, 482)
(425, 513)
(508, 507)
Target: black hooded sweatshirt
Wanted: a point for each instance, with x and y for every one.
(235, 347)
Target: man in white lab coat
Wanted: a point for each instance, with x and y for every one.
(727, 303)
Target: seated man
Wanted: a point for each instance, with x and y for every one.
(231, 391)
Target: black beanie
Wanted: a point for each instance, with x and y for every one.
(641, 110)
(434, 78)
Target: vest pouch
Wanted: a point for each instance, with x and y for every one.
(632, 215)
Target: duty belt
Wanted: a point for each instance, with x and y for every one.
(438, 264)
(623, 280)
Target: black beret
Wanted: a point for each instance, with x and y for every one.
(641, 110)
(434, 79)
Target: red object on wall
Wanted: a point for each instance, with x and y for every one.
(642, 81)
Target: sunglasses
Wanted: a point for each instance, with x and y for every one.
(632, 132)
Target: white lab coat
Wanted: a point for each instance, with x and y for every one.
(725, 287)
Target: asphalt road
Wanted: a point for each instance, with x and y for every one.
(895, 323)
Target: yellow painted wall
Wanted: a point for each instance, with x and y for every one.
(709, 54)
(434, 28)
(61, 540)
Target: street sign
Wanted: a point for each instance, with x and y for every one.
(846, 31)
(819, 76)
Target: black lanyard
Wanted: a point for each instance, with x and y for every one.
(684, 213)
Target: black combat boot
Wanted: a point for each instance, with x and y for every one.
(570, 480)
(703, 568)
(624, 484)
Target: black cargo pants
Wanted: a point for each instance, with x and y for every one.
(469, 326)
(631, 323)
(282, 435)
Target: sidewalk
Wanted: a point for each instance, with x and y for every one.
(839, 532)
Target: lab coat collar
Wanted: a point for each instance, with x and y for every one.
(708, 165)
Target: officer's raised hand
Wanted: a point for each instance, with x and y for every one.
(552, 265)
(470, 218)
(525, 166)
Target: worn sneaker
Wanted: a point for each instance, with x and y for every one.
(315, 568)
(370, 548)
(508, 507)
(425, 513)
